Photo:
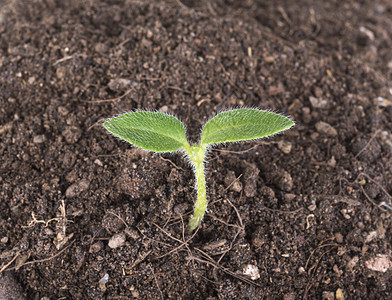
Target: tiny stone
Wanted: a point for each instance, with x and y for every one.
(285, 146)
(117, 240)
(332, 162)
(338, 272)
(312, 206)
(146, 43)
(380, 263)
(164, 108)
(119, 84)
(339, 238)
(328, 295)
(345, 214)
(318, 92)
(301, 270)
(307, 117)
(360, 225)
(339, 294)
(31, 80)
(352, 263)
(132, 233)
(98, 162)
(48, 231)
(4, 240)
(104, 279)
(289, 197)
(100, 48)
(317, 103)
(290, 296)
(269, 59)
(96, 247)
(39, 139)
(62, 111)
(325, 128)
(251, 271)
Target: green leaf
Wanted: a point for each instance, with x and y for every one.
(152, 131)
(243, 124)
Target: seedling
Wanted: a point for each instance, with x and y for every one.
(160, 132)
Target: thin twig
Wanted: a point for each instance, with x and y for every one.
(5, 267)
(172, 163)
(367, 144)
(156, 281)
(42, 260)
(111, 100)
(232, 183)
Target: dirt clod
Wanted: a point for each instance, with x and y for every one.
(77, 188)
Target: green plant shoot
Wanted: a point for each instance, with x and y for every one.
(160, 132)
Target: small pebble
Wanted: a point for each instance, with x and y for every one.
(352, 263)
(289, 197)
(117, 240)
(339, 294)
(104, 279)
(100, 48)
(325, 128)
(285, 146)
(31, 80)
(317, 102)
(380, 263)
(164, 108)
(96, 247)
(339, 237)
(98, 162)
(269, 59)
(328, 295)
(39, 139)
(119, 84)
(251, 271)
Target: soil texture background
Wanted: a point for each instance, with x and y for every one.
(303, 215)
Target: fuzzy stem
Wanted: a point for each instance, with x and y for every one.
(196, 154)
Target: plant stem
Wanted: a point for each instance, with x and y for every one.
(196, 154)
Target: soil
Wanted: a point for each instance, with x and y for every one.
(302, 215)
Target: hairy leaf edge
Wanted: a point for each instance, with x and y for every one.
(244, 141)
(147, 110)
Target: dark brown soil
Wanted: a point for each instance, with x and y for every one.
(85, 216)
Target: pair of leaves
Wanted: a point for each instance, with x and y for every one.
(160, 132)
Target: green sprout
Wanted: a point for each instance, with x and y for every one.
(160, 132)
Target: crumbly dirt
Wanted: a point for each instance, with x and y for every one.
(302, 215)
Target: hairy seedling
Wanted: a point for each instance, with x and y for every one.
(160, 132)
